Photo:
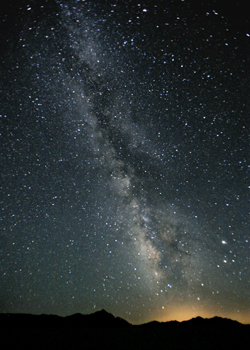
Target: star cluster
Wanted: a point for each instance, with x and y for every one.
(125, 160)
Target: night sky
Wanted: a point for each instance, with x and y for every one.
(125, 159)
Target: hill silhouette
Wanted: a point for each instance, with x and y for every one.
(96, 320)
(102, 329)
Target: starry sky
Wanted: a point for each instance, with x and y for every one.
(125, 159)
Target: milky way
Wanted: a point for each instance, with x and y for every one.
(125, 161)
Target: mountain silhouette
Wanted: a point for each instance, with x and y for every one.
(105, 319)
(103, 330)
(98, 319)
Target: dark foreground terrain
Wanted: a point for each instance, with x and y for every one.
(102, 330)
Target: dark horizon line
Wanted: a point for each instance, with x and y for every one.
(104, 312)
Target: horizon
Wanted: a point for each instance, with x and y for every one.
(187, 318)
(104, 329)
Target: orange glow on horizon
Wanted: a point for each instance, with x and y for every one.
(188, 312)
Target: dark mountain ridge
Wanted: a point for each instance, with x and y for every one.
(102, 330)
(98, 319)
(103, 319)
